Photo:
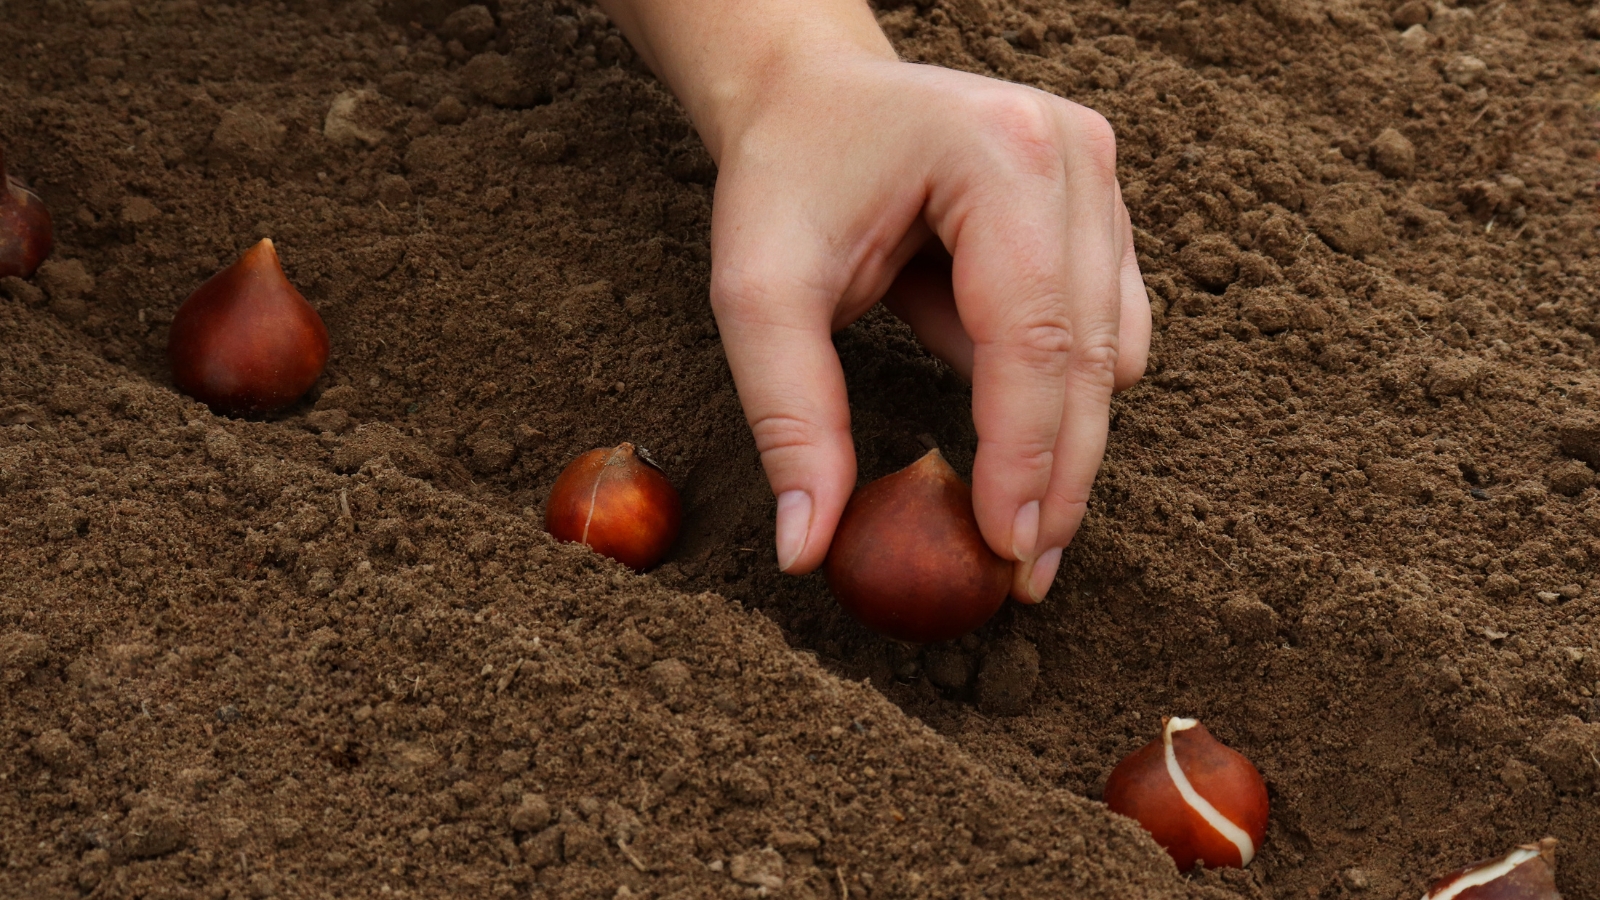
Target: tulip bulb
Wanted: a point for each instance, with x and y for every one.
(618, 502)
(1199, 799)
(908, 561)
(1526, 873)
(246, 341)
(25, 233)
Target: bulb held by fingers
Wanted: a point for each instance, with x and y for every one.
(908, 561)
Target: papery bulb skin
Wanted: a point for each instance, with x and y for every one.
(25, 232)
(1199, 799)
(617, 501)
(908, 561)
(246, 341)
(1526, 873)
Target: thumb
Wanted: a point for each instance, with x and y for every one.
(776, 332)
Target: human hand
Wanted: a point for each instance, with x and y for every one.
(985, 214)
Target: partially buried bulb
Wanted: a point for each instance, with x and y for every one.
(25, 233)
(1526, 873)
(618, 502)
(246, 341)
(1199, 799)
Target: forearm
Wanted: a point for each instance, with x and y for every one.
(721, 56)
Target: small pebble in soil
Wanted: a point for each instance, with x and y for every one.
(1356, 879)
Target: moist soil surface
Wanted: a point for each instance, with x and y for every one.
(1348, 519)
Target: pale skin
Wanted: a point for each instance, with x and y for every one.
(984, 214)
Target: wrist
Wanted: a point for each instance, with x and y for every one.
(729, 99)
(728, 61)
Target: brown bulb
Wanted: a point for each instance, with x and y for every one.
(616, 501)
(1199, 799)
(1526, 873)
(246, 341)
(25, 233)
(908, 560)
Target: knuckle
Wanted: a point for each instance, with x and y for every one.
(1097, 143)
(1038, 454)
(1026, 127)
(1068, 498)
(1049, 345)
(735, 287)
(1043, 344)
(780, 432)
(1096, 363)
(1030, 452)
(767, 292)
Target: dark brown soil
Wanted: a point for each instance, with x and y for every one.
(1349, 520)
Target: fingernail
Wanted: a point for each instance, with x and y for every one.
(1025, 530)
(1044, 573)
(794, 521)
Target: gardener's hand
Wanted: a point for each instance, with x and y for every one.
(838, 166)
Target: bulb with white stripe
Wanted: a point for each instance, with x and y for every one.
(1200, 800)
(616, 500)
(1526, 873)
